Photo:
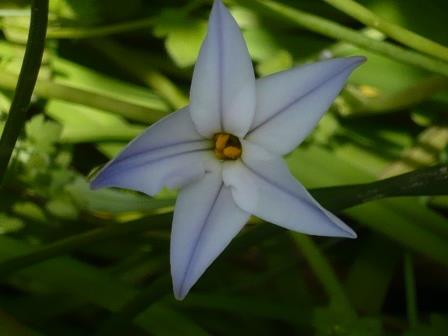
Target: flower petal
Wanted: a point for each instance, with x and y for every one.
(290, 103)
(261, 184)
(205, 221)
(169, 153)
(223, 87)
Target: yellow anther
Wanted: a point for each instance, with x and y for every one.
(227, 146)
(219, 155)
(221, 141)
(232, 152)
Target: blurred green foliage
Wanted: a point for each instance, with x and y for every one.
(80, 262)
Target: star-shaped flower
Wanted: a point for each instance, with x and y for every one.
(224, 151)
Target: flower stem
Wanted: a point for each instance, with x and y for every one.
(337, 31)
(26, 82)
(411, 296)
(323, 271)
(400, 34)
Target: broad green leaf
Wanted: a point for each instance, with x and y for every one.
(43, 134)
(377, 261)
(406, 221)
(84, 78)
(62, 206)
(113, 201)
(85, 124)
(9, 224)
(261, 43)
(183, 35)
(89, 284)
(280, 61)
(16, 28)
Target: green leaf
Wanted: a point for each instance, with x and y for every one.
(261, 43)
(85, 124)
(43, 134)
(406, 221)
(10, 224)
(329, 321)
(62, 207)
(29, 210)
(83, 11)
(281, 60)
(16, 28)
(88, 284)
(81, 77)
(183, 35)
(247, 306)
(377, 261)
(437, 326)
(113, 201)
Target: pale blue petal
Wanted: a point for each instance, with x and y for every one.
(261, 184)
(169, 153)
(205, 221)
(223, 87)
(290, 103)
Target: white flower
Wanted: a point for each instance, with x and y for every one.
(224, 151)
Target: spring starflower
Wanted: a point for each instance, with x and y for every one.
(224, 151)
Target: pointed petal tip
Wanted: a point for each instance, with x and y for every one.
(181, 288)
(345, 231)
(217, 7)
(349, 233)
(179, 295)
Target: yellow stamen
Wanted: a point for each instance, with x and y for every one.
(221, 141)
(227, 146)
(232, 152)
(219, 155)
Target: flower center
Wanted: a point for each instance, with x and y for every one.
(227, 146)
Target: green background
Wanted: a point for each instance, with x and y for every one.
(78, 262)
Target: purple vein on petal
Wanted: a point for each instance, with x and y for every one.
(114, 169)
(288, 105)
(309, 203)
(198, 240)
(279, 187)
(123, 157)
(220, 37)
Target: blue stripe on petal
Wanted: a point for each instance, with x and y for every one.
(169, 153)
(264, 187)
(290, 103)
(222, 91)
(205, 221)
